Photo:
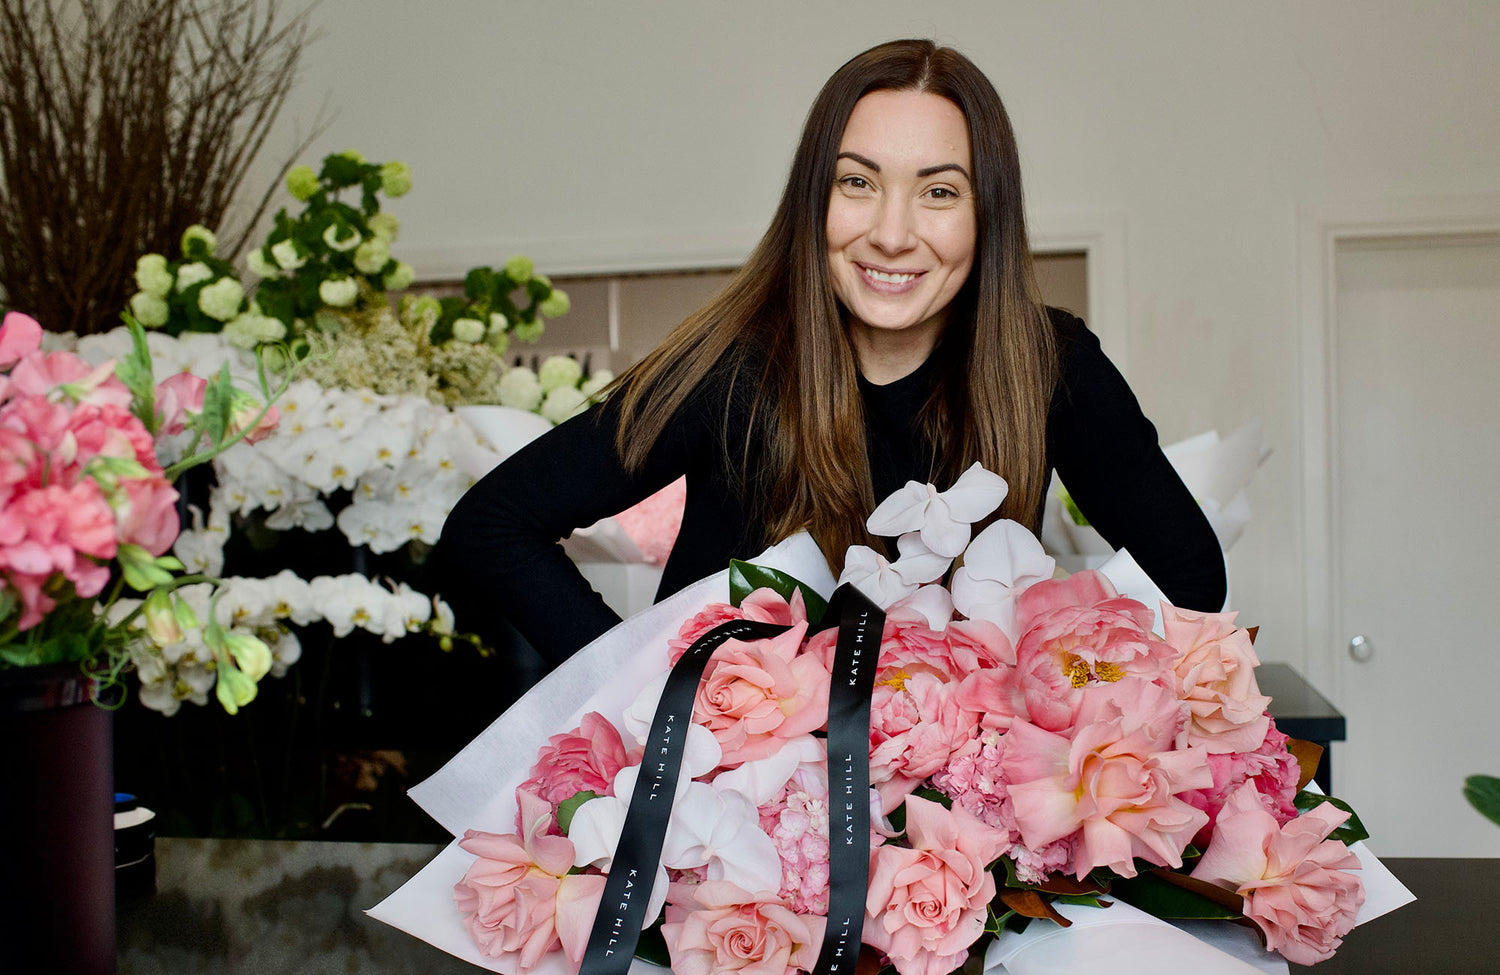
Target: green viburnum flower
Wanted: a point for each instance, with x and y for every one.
(498, 324)
(371, 256)
(425, 306)
(556, 304)
(557, 371)
(400, 277)
(498, 341)
(595, 384)
(395, 179)
(152, 276)
(528, 331)
(259, 266)
(562, 403)
(221, 300)
(353, 155)
(190, 274)
(385, 226)
(198, 241)
(520, 389)
(252, 328)
(287, 256)
(302, 182)
(519, 268)
(469, 330)
(341, 237)
(338, 292)
(149, 309)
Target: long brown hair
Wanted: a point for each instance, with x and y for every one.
(780, 326)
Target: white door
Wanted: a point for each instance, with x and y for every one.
(1416, 348)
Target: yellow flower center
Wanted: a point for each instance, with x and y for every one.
(1079, 673)
(897, 680)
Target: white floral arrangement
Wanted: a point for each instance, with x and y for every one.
(557, 389)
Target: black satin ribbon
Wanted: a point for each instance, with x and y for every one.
(627, 891)
(860, 624)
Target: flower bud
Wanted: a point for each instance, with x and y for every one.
(400, 277)
(338, 292)
(161, 622)
(556, 304)
(191, 274)
(468, 330)
(371, 256)
(384, 226)
(395, 178)
(341, 237)
(519, 269)
(286, 255)
(198, 242)
(222, 299)
(302, 182)
(152, 276)
(150, 310)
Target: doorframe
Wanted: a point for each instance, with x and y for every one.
(1321, 229)
(1101, 238)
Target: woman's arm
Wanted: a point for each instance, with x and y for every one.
(1106, 452)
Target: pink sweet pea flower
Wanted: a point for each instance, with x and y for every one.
(1074, 646)
(926, 903)
(1291, 876)
(20, 335)
(1116, 782)
(520, 898)
(756, 694)
(1216, 677)
(55, 529)
(176, 396)
(244, 412)
(584, 759)
(717, 927)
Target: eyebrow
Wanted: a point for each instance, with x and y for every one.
(921, 173)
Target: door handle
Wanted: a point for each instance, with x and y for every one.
(1361, 649)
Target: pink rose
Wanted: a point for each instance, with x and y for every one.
(1072, 647)
(520, 898)
(755, 694)
(762, 605)
(927, 903)
(721, 928)
(1115, 784)
(584, 759)
(1216, 676)
(1291, 876)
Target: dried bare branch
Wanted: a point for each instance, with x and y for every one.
(122, 122)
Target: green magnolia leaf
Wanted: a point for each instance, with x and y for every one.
(1352, 831)
(1155, 896)
(653, 947)
(746, 577)
(569, 806)
(1087, 900)
(1483, 793)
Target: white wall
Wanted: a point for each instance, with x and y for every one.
(609, 136)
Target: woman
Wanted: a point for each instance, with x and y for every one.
(887, 328)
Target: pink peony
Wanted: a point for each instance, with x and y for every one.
(915, 719)
(927, 903)
(1087, 588)
(1115, 784)
(721, 928)
(1072, 647)
(584, 759)
(520, 898)
(756, 694)
(1216, 676)
(1270, 768)
(1291, 876)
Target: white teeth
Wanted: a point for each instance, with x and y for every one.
(888, 278)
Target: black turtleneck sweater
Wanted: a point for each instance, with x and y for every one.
(499, 557)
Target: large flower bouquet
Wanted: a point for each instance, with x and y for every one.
(88, 513)
(1033, 745)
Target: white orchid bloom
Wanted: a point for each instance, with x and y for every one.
(762, 780)
(916, 563)
(942, 517)
(700, 752)
(720, 831)
(292, 598)
(999, 565)
(872, 574)
(932, 605)
(312, 516)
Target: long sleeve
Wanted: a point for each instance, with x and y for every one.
(1106, 453)
(499, 557)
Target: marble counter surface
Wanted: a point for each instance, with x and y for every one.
(269, 907)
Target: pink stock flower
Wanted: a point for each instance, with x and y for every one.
(1291, 876)
(584, 759)
(520, 898)
(20, 335)
(762, 605)
(1269, 767)
(1216, 677)
(927, 903)
(1115, 784)
(1074, 646)
(721, 928)
(755, 694)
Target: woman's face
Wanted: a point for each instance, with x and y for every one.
(901, 222)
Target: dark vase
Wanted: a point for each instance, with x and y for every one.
(57, 901)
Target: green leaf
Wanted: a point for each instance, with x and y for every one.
(1155, 896)
(1352, 831)
(479, 283)
(569, 806)
(653, 947)
(134, 370)
(1086, 900)
(217, 399)
(746, 577)
(1483, 793)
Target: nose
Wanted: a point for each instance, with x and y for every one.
(894, 231)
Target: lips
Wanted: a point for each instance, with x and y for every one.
(888, 282)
